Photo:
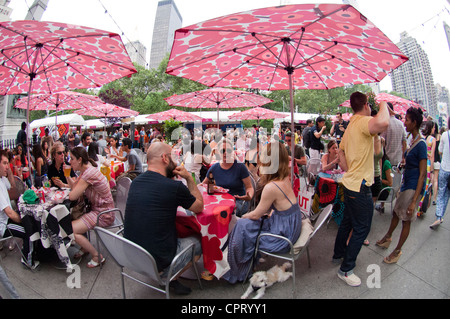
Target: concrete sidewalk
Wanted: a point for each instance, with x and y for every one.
(422, 272)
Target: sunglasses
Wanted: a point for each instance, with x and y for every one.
(60, 153)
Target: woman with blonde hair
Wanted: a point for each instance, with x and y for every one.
(278, 202)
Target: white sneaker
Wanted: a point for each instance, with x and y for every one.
(351, 280)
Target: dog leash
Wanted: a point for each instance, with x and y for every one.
(264, 217)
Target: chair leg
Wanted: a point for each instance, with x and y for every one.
(294, 291)
(246, 276)
(99, 253)
(123, 284)
(196, 271)
(307, 254)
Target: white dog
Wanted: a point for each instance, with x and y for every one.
(263, 279)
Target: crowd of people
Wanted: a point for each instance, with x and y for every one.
(366, 149)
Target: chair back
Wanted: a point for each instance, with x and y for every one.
(323, 216)
(142, 155)
(314, 166)
(20, 185)
(128, 254)
(123, 186)
(312, 170)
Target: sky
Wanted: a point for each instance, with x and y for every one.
(134, 20)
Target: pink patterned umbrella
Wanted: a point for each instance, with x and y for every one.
(59, 101)
(175, 115)
(46, 57)
(218, 98)
(401, 105)
(257, 113)
(107, 110)
(305, 46)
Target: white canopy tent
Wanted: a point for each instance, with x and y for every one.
(94, 124)
(72, 119)
(298, 117)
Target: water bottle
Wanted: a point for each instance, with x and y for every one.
(45, 181)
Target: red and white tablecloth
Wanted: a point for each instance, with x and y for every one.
(213, 225)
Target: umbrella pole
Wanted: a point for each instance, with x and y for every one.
(28, 132)
(218, 123)
(291, 105)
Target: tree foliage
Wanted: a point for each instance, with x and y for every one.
(146, 89)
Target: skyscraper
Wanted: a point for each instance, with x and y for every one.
(447, 33)
(137, 52)
(167, 20)
(5, 11)
(414, 78)
(36, 10)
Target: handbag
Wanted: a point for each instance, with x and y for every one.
(305, 200)
(80, 207)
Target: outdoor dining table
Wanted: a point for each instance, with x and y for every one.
(329, 190)
(112, 171)
(213, 226)
(46, 223)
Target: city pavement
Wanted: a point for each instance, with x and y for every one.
(422, 272)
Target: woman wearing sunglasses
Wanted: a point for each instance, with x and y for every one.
(56, 169)
(232, 175)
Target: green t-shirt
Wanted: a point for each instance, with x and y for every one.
(386, 166)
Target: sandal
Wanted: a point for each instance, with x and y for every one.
(206, 275)
(384, 243)
(79, 254)
(394, 259)
(92, 263)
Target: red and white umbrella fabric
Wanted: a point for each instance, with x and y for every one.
(107, 110)
(59, 101)
(44, 57)
(400, 104)
(218, 98)
(176, 115)
(304, 46)
(257, 113)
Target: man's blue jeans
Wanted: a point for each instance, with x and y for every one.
(358, 214)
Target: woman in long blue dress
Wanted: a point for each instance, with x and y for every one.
(279, 201)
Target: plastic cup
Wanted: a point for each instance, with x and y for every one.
(67, 170)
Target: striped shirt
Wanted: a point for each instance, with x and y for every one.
(394, 137)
